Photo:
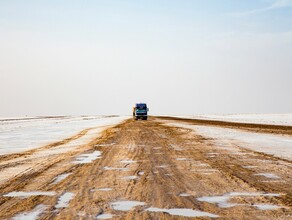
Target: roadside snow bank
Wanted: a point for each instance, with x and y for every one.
(21, 135)
(272, 119)
(280, 146)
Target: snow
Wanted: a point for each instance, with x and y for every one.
(18, 135)
(105, 189)
(266, 206)
(105, 216)
(88, 158)
(201, 165)
(28, 194)
(181, 159)
(184, 194)
(59, 149)
(273, 119)
(223, 200)
(277, 145)
(64, 200)
(141, 173)
(268, 175)
(183, 212)
(61, 177)
(163, 166)
(129, 177)
(128, 161)
(125, 205)
(33, 215)
(249, 167)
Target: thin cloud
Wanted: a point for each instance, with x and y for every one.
(276, 5)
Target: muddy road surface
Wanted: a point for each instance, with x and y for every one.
(145, 170)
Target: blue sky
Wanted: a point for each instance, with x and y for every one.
(182, 57)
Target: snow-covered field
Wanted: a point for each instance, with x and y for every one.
(25, 134)
(273, 119)
(280, 146)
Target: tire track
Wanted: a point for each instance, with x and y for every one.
(174, 164)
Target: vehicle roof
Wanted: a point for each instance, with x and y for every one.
(141, 104)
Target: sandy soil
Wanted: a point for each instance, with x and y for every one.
(146, 171)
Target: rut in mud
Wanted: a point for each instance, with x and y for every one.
(146, 170)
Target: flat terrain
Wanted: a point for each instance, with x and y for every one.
(147, 170)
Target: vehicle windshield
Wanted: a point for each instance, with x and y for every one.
(141, 107)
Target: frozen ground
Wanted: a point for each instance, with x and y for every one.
(17, 135)
(117, 175)
(280, 146)
(273, 119)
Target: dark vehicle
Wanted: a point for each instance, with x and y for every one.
(140, 111)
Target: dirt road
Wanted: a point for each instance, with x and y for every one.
(145, 170)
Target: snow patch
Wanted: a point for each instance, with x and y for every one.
(28, 194)
(33, 215)
(125, 205)
(105, 189)
(163, 166)
(222, 201)
(266, 206)
(201, 165)
(129, 177)
(249, 167)
(87, 158)
(183, 212)
(60, 178)
(105, 216)
(184, 194)
(64, 200)
(273, 181)
(104, 145)
(268, 175)
(181, 159)
(213, 153)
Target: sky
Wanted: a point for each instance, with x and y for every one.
(181, 57)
